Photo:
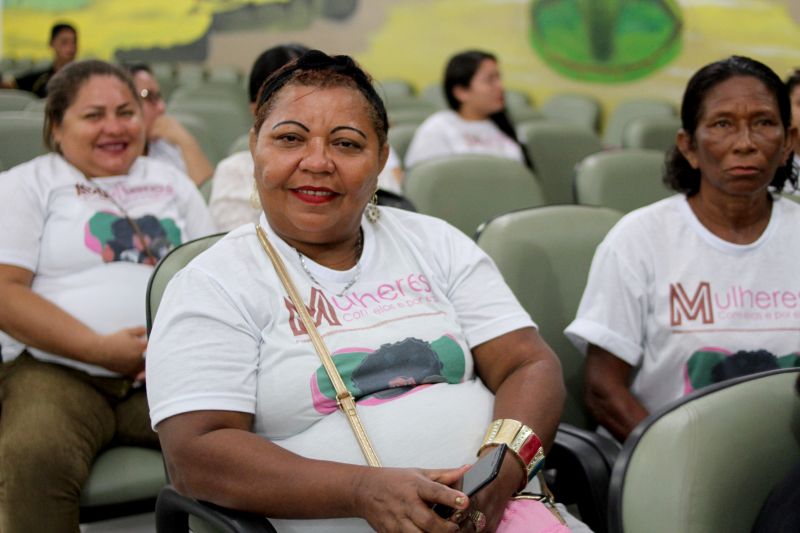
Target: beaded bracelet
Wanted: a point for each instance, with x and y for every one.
(521, 441)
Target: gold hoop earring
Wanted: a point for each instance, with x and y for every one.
(372, 212)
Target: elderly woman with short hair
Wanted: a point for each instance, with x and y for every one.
(702, 286)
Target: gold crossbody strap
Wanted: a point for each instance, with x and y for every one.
(344, 399)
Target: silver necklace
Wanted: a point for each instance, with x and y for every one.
(359, 249)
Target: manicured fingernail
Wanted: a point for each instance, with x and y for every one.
(460, 500)
(458, 516)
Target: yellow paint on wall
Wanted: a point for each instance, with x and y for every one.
(418, 36)
(108, 25)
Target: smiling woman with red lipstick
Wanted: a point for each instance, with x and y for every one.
(427, 338)
(82, 228)
(703, 286)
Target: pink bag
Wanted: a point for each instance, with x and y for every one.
(528, 515)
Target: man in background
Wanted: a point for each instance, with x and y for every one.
(64, 42)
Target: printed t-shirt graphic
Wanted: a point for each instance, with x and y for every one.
(375, 376)
(735, 309)
(114, 238)
(713, 365)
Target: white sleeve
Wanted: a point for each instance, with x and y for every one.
(22, 218)
(485, 306)
(169, 153)
(199, 326)
(194, 210)
(429, 142)
(387, 179)
(613, 310)
(230, 196)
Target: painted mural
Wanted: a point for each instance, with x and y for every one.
(612, 49)
(606, 40)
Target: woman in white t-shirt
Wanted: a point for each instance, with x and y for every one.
(423, 330)
(703, 286)
(82, 228)
(476, 122)
(167, 139)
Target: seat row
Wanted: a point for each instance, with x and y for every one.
(467, 190)
(544, 254)
(404, 106)
(216, 112)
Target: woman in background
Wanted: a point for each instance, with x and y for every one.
(233, 201)
(699, 287)
(476, 122)
(82, 228)
(167, 139)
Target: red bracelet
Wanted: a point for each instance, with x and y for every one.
(521, 441)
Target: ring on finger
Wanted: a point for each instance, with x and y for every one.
(478, 520)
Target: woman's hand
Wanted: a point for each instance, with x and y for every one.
(198, 167)
(121, 351)
(400, 499)
(168, 128)
(493, 499)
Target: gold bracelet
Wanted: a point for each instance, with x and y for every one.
(521, 441)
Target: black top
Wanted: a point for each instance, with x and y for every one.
(35, 81)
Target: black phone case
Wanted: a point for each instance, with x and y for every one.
(495, 458)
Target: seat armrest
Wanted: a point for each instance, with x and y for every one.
(606, 447)
(579, 470)
(173, 511)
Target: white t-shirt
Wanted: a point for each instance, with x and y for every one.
(232, 186)
(445, 133)
(788, 188)
(683, 306)
(165, 151)
(227, 338)
(85, 256)
(387, 179)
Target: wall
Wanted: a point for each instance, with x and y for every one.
(613, 49)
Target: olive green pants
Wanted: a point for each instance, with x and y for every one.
(53, 423)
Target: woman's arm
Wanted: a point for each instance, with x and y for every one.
(213, 456)
(37, 322)
(608, 394)
(525, 376)
(198, 168)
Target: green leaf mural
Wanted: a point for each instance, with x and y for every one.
(606, 40)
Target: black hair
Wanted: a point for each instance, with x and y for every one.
(63, 87)
(58, 27)
(318, 69)
(679, 174)
(793, 81)
(268, 62)
(460, 70)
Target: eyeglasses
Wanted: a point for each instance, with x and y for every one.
(150, 96)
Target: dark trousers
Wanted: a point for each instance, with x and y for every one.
(54, 422)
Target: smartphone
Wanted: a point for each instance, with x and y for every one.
(478, 476)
